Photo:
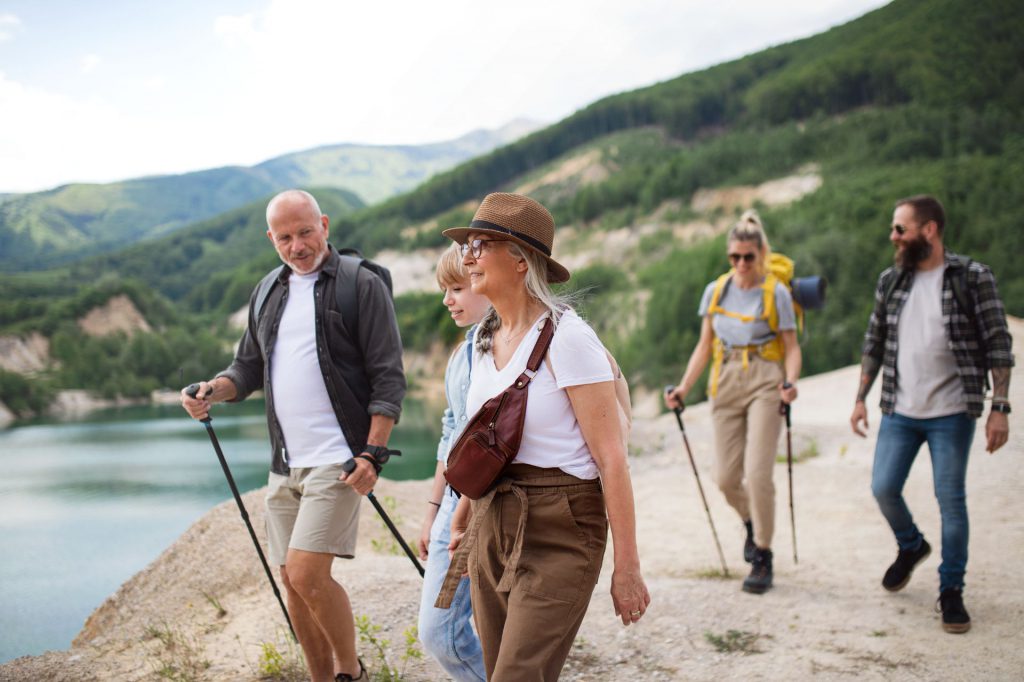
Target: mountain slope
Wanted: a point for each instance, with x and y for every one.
(63, 224)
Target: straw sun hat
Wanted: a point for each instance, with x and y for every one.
(519, 219)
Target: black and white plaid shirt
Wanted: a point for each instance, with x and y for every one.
(978, 343)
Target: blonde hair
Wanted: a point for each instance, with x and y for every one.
(536, 286)
(449, 267)
(749, 228)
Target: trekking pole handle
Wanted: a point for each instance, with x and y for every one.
(668, 389)
(192, 391)
(784, 407)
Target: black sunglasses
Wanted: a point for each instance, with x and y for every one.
(476, 246)
(745, 257)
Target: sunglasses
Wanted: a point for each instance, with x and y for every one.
(745, 257)
(476, 246)
(900, 229)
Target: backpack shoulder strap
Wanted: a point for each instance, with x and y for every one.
(770, 311)
(263, 290)
(718, 293)
(960, 285)
(346, 293)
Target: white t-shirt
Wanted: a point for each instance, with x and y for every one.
(551, 434)
(312, 435)
(928, 382)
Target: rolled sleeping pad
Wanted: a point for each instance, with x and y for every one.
(809, 292)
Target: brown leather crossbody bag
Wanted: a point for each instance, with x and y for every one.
(491, 439)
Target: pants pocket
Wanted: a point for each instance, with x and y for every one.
(559, 551)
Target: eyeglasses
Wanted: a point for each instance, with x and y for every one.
(735, 258)
(900, 229)
(476, 246)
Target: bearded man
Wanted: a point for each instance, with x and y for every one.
(938, 328)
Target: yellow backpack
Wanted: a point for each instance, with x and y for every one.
(780, 269)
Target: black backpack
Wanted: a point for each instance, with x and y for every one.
(345, 287)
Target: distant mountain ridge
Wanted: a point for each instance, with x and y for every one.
(42, 229)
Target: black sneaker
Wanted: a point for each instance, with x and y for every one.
(760, 578)
(748, 545)
(345, 677)
(954, 615)
(898, 575)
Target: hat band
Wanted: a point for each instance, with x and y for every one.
(537, 244)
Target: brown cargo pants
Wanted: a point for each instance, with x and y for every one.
(534, 552)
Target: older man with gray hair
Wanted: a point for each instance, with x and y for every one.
(334, 386)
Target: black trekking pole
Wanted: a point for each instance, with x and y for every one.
(192, 391)
(350, 466)
(784, 410)
(686, 441)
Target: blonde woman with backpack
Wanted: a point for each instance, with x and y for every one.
(749, 332)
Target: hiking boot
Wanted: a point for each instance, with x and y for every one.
(760, 578)
(364, 676)
(748, 545)
(954, 615)
(898, 575)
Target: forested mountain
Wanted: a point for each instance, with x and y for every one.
(918, 96)
(41, 229)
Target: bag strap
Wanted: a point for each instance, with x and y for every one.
(540, 349)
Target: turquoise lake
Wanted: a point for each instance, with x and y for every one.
(85, 505)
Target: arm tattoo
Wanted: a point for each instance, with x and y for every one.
(1000, 383)
(869, 367)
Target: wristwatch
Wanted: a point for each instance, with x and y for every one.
(1004, 408)
(378, 455)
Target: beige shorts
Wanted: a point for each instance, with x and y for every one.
(311, 510)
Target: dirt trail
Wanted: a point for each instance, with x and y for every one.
(826, 618)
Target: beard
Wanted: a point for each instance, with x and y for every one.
(912, 253)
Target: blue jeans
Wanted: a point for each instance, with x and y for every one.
(447, 634)
(949, 442)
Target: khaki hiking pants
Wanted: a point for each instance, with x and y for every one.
(537, 544)
(747, 424)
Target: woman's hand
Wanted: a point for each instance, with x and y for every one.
(787, 392)
(457, 536)
(428, 524)
(629, 595)
(674, 398)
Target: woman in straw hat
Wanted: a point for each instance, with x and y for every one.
(535, 545)
(749, 330)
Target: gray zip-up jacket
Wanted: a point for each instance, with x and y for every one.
(363, 375)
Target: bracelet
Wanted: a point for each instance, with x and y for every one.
(436, 504)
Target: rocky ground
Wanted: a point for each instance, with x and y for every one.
(203, 609)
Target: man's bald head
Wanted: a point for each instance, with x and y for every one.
(290, 201)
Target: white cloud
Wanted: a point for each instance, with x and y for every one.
(89, 62)
(9, 25)
(236, 30)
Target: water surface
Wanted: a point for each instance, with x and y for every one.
(85, 505)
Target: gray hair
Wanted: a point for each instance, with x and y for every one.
(538, 289)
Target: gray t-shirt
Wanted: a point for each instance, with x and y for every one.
(733, 332)
(928, 381)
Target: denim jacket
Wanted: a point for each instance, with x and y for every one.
(456, 388)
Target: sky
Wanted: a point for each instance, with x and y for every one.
(98, 91)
